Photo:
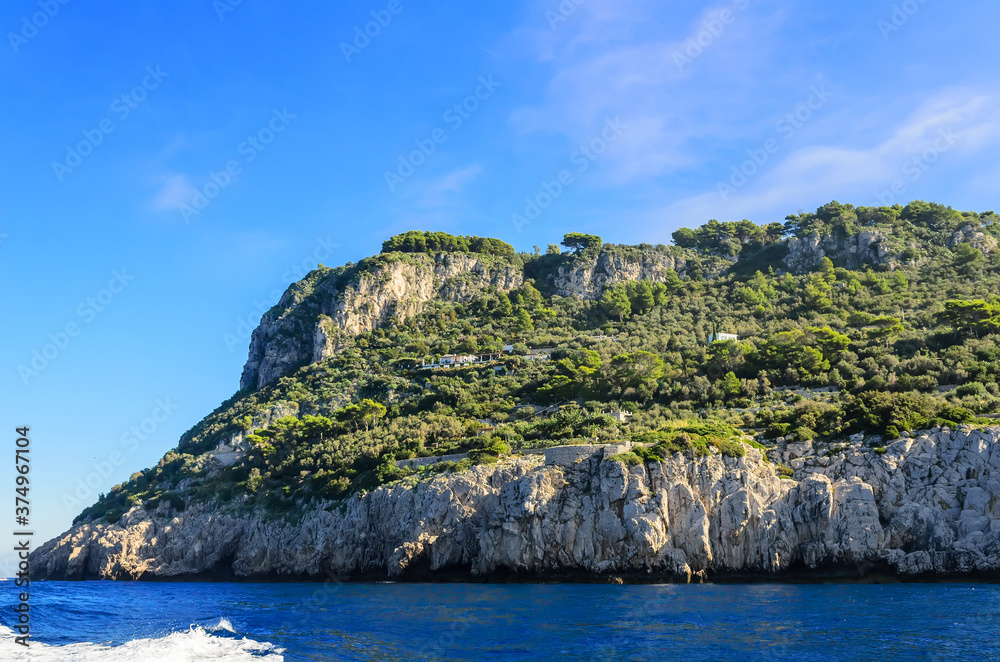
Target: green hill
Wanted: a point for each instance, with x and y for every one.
(876, 320)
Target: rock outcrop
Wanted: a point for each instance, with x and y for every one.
(312, 316)
(588, 278)
(975, 237)
(927, 505)
(868, 247)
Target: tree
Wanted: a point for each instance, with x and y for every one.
(730, 385)
(255, 481)
(531, 298)
(524, 322)
(685, 238)
(468, 345)
(724, 357)
(553, 249)
(616, 302)
(635, 369)
(975, 315)
(818, 293)
(832, 344)
(827, 270)
(967, 258)
(504, 307)
(581, 243)
(641, 296)
(885, 328)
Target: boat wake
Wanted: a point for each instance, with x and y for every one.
(216, 642)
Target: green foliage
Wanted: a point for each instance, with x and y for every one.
(489, 453)
(582, 244)
(728, 239)
(615, 300)
(629, 458)
(695, 438)
(415, 241)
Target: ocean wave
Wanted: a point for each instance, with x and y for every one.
(196, 643)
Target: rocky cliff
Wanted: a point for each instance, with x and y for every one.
(587, 278)
(869, 247)
(312, 315)
(928, 504)
(316, 314)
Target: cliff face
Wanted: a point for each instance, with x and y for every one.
(588, 278)
(869, 247)
(929, 504)
(310, 317)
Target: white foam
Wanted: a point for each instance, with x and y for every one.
(194, 644)
(223, 625)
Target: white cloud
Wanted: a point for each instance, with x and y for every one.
(455, 181)
(939, 135)
(175, 191)
(617, 59)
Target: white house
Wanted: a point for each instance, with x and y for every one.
(723, 337)
(621, 416)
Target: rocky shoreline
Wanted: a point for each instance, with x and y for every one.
(928, 507)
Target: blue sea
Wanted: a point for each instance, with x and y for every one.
(590, 622)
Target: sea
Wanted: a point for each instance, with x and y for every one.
(140, 621)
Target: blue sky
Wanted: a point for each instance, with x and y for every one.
(170, 167)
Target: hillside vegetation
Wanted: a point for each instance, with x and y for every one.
(849, 320)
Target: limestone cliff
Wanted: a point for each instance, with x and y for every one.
(306, 324)
(587, 278)
(929, 504)
(316, 314)
(869, 247)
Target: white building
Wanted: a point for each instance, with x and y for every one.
(621, 416)
(723, 337)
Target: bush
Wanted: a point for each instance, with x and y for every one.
(490, 453)
(631, 459)
(972, 389)
(803, 433)
(113, 515)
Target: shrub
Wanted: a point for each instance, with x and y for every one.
(803, 433)
(972, 389)
(631, 459)
(490, 453)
